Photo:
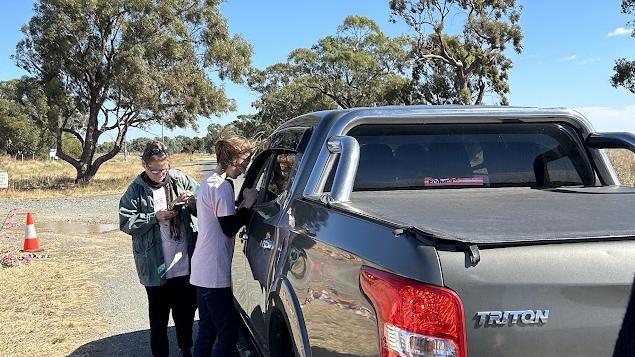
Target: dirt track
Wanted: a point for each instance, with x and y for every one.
(68, 231)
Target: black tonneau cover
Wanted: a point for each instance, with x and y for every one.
(506, 215)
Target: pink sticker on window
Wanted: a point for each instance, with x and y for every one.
(453, 181)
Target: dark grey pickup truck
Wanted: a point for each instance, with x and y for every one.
(437, 231)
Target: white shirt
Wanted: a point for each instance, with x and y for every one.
(174, 251)
(212, 259)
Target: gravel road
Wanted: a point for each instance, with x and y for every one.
(123, 299)
(87, 210)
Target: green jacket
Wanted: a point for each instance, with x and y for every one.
(136, 217)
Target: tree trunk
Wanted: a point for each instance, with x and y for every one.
(86, 171)
(84, 174)
(481, 93)
(92, 168)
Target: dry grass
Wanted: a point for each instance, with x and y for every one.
(624, 163)
(40, 179)
(50, 307)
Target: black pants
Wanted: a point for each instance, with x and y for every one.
(218, 325)
(179, 296)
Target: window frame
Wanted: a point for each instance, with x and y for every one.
(584, 167)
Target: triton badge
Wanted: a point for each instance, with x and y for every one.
(524, 317)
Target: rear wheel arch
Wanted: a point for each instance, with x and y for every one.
(286, 322)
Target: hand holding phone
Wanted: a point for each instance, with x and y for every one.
(177, 204)
(185, 198)
(163, 216)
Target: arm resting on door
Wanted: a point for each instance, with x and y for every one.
(231, 224)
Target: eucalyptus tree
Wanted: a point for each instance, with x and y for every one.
(458, 47)
(109, 65)
(624, 75)
(358, 66)
(23, 113)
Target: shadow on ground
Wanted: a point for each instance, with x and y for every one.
(135, 343)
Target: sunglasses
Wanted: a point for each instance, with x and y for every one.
(158, 171)
(158, 151)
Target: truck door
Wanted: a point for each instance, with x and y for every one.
(261, 238)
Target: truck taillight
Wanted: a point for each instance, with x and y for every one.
(415, 319)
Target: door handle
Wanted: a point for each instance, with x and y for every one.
(266, 244)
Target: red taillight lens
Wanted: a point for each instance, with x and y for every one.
(415, 319)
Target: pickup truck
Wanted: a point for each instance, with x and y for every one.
(436, 231)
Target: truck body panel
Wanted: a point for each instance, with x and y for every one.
(585, 286)
(541, 270)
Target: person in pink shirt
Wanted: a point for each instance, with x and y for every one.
(218, 222)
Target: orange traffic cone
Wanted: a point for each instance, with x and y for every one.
(31, 244)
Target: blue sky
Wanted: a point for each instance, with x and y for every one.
(570, 48)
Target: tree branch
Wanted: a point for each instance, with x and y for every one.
(114, 151)
(481, 92)
(476, 64)
(435, 57)
(74, 133)
(337, 100)
(62, 155)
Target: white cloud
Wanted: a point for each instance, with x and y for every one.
(568, 58)
(610, 119)
(589, 60)
(620, 31)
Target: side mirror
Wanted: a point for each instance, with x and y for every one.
(348, 149)
(611, 141)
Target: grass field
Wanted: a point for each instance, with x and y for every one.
(624, 163)
(40, 179)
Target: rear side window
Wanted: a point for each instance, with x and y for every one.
(469, 155)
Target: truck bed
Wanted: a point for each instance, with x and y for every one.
(506, 215)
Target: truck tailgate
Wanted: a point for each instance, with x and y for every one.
(585, 286)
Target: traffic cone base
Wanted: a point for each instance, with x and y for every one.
(31, 243)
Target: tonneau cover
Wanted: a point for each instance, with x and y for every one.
(506, 215)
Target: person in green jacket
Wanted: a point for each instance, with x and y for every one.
(159, 211)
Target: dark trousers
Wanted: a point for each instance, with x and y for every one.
(178, 295)
(218, 325)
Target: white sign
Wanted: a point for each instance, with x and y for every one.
(4, 179)
(52, 153)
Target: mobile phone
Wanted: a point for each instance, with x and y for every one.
(177, 205)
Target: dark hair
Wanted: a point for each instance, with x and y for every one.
(154, 151)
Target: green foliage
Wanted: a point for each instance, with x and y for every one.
(358, 66)
(105, 147)
(173, 144)
(624, 75)
(137, 145)
(253, 126)
(23, 126)
(460, 68)
(207, 144)
(71, 145)
(115, 64)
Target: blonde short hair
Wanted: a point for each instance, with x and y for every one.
(230, 147)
